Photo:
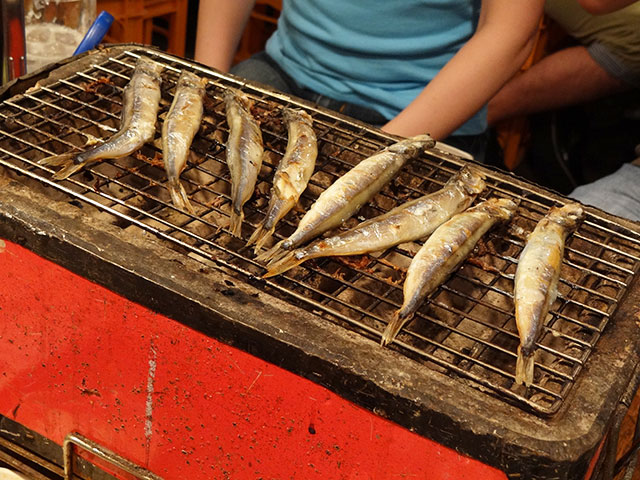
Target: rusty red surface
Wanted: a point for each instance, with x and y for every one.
(77, 357)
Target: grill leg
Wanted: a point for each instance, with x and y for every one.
(630, 459)
(610, 468)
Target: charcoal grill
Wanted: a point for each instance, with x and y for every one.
(450, 373)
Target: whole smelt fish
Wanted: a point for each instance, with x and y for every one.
(405, 223)
(442, 253)
(244, 154)
(180, 126)
(292, 175)
(536, 280)
(348, 193)
(137, 122)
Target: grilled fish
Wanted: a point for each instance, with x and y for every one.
(292, 175)
(442, 253)
(405, 223)
(348, 193)
(179, 128)
(140, 105)
(244, 154)
(536, 280)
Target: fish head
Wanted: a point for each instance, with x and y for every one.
(567, 216)
(503, 208)
(191, 80)
(411, 146)
(148, 66)
(470, 180)
(236, 97)
(292, 115)
(423, 139)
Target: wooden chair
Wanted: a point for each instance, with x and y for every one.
(134, 22)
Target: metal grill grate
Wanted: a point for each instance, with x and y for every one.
(466, 328)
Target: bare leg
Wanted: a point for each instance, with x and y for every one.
(567, 77)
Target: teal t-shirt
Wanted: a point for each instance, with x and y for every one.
(375, 53)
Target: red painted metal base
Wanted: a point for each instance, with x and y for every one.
(77, 357)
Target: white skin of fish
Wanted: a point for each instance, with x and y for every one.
(140, 105)
(408, 222)
(296, 167)
(536, 280)
(441, 254)
(138, 120)
(449, 246)
(182, 123)
(349, 192)
(244, 153)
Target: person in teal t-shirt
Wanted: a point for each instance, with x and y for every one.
(410, 66)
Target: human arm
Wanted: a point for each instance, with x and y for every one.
(492, 55)
(567, 77)
(220, 26)
(599, 7)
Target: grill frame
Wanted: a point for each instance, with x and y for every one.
(345, 361)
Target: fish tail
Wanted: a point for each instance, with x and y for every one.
(284, 264)
(393, 327)
(255, 236)
(524, 368)
(179, 196)
(91, 140)
(259, 237)
(262, 240)
(235, 223)
(273, 254)
(67, 161)
(67, 171)
(58, 160)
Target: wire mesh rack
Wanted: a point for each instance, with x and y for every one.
(466, 328)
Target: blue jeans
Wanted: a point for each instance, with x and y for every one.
(262, 68)
(618, 193)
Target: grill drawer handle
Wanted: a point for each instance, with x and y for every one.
(102, 453)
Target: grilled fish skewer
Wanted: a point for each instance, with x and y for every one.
(536, 280)
(141, 101)
(292, 175)
(180, 126)
(407, 222)
(244, 154)
(347, 194)
(442, 253)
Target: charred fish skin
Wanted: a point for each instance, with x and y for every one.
(536, 280)
(405, 223)
(348, 193)
(244, 154)
(140, 105)
(442, 253)
(292, 175)
(180, 126)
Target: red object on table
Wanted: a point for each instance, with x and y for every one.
(18, 60)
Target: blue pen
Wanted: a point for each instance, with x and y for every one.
(96, 32)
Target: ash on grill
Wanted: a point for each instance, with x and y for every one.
(465, 329)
